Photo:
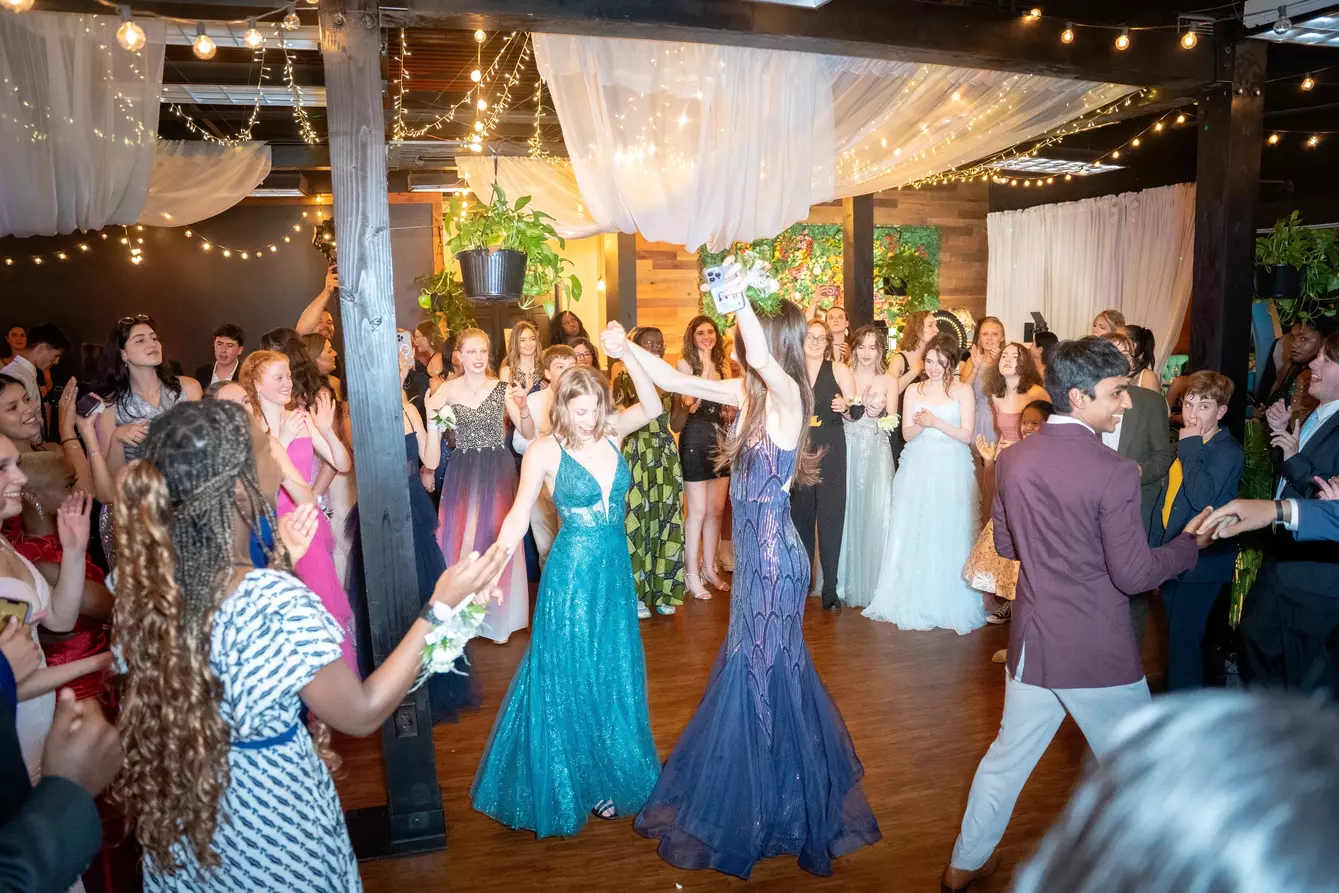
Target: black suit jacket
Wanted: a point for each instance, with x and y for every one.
(1311, 567)
(48, 834)
(1145, 437)
(204, 374)
(1210, 473)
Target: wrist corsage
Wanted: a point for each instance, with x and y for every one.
(889, 422)
(442, 418)
(451, 629)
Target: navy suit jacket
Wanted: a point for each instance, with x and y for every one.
(1317, 520)
(1210, 473)
(1307, 566)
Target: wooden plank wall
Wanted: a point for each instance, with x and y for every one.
(667, 277)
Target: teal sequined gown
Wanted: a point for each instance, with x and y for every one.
(574, 728)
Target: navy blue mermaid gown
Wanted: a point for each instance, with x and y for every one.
(766, 765)
(574, 729)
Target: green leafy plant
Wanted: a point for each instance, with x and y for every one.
(518, 227)
(911, 270)
(443, 297)
(1293, 244)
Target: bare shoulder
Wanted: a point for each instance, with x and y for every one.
(682, 366)
(962, 391)
(190, 388)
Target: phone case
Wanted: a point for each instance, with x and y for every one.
(726, 292)
(9, 608)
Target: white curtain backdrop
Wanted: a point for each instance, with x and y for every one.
(195, 180)
(550, 182)
(1132, 252)
(78, 118)
(698, 143)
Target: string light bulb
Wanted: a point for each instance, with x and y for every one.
(482, 105)
(1067, 36)
(1123, 41)
(478, 127)
(1032, 14)
(1115, 155)
(203, 46)
(291, 21)
(476, 75)
(1157, 128)
(1135, 142)
(1312, 141)
(130, 35)
(18, 6)
(1283, 24)
(479, 36)
(1308, 82)
(1273, 139)
(252, 36)
(1068, 177)
(1189, 39)
(1181, 119)
(476, 147)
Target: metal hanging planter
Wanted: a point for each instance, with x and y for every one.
(492, 274)
(1280, 281)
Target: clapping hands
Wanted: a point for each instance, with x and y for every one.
(614, 340)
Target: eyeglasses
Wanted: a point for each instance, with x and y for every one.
(132, 320)
(815, 339)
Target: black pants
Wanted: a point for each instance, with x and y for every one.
(1188, 607)
(1286, 631)
(822, 507)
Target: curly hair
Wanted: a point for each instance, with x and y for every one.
(694, 357)
(176, 511)
(307, 381)
(1028, 375)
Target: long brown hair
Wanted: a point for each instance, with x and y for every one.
(580, 381)
(946, 346)
(176, 510)
(880, 346)
(785, 342)
(911, 330)
(694, 356)
(514, 349)
(1028, 375)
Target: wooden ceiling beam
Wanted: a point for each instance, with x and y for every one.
(905, 30)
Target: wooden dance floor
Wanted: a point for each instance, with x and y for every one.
(922, 708)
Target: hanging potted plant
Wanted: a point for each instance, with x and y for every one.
(1282, 258)
(504, 251)
(442, 296)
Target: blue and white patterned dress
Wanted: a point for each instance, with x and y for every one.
(280, 825)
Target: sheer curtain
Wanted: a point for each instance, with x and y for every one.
(1132, 252)
(702, 144)
(550, 182)
(192, 181)
(78, 118)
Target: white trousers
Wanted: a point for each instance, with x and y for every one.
(1031, 717)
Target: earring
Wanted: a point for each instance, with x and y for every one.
(32, 500)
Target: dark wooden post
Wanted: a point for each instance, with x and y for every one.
(620, 278)
(1227, 181)
(412, 820)
(858, 260)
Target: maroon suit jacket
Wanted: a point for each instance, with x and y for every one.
(1067, 509)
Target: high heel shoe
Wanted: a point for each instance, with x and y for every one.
(699, 592)
(714, 580)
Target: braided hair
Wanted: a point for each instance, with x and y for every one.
(176, 514)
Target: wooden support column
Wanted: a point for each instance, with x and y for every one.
(1231, 126)
(620, 278)
(412, 820)
(858, 260)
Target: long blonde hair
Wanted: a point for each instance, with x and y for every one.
(580, 381)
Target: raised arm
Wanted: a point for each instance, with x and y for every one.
(648, 405)
(311, 314)
(72, 527)
(667, 378)
(324, 439)
(518, 410)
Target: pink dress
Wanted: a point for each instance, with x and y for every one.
(1008, 423)
(317, 567)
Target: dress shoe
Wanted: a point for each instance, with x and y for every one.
(956, 880)
(834, 608)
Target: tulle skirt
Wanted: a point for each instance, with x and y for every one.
(987, 571)
(869, 503)
(477, 492)
(934, 524)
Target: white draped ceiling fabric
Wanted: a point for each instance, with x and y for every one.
(549, 182)
(193, 181)
(78, 118)
(704, 144)
(1132, 252)
(78, 134)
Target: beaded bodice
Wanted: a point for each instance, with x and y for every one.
(481, 428)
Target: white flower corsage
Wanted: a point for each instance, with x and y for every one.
(889, 422)
(451, 629)
(442, 418)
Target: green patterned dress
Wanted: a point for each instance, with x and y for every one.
(655, 506)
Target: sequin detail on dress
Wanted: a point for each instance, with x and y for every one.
(574, 729)
(766, 765)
